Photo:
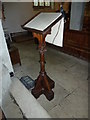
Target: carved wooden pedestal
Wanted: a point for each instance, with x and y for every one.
(43, 84)
(40, 25)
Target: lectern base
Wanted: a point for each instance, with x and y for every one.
(44, 86)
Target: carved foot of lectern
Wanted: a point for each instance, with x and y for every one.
(43, 84)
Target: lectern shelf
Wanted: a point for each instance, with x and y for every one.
(42, 21)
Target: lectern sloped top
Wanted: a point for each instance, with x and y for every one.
(43, 21)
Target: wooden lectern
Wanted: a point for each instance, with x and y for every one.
(41, 26)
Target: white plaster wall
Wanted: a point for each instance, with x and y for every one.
(4, 54)
(6, 81)
(17, 13)
(5, 65)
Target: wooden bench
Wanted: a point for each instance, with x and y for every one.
(14, 55)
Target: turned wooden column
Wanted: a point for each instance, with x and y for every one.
(43, 84)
